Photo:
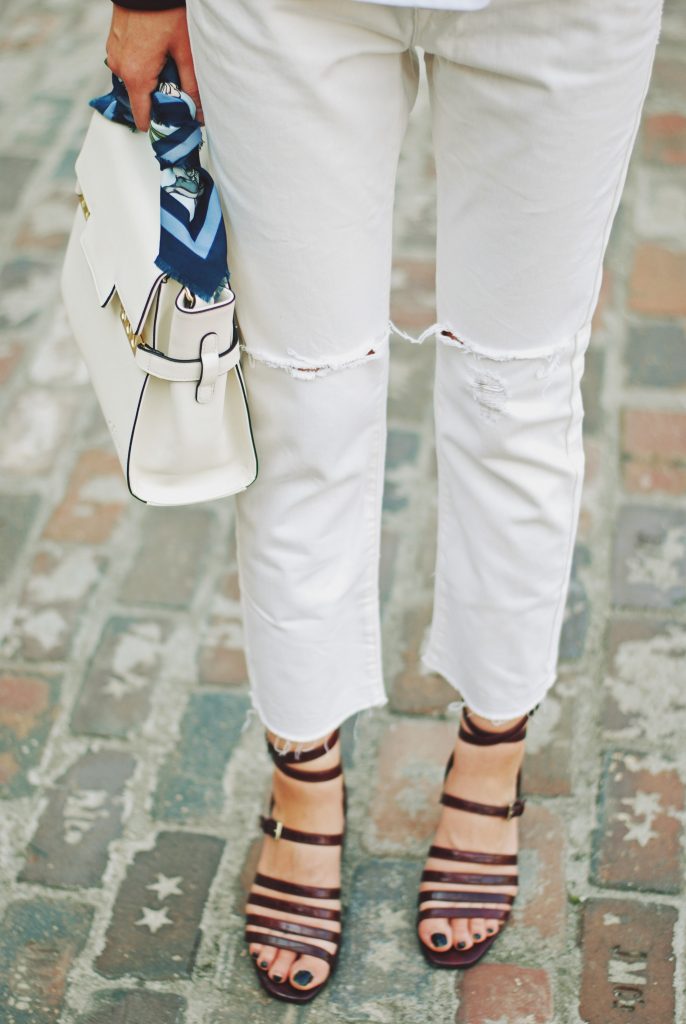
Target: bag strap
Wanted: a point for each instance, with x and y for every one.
(157, 364)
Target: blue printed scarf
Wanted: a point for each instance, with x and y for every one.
(192, 234)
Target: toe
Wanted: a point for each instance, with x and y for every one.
(266, 957)
(435, 933)
(462, 936)
(254, 949)
(492, 927)
(308, 971)
(281, 965)
(478, 929)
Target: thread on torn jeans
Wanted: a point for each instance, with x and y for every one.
(490, 394)
(545, 373)
(458, 705)
(284, 746)
(429, 332)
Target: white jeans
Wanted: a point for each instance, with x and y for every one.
(535, 107)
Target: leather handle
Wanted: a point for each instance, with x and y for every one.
(157, 364)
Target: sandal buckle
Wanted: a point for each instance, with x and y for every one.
(278, 829)
(513, 809)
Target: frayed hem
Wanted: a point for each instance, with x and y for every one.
(454, 339)
(327, 728)
(499, 715)
(297, 365)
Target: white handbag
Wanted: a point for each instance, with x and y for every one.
(164, 363)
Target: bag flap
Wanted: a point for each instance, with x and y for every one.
(119, 179)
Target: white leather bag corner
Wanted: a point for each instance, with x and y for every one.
(164, 363)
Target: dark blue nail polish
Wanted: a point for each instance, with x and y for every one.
(254, 954)
(439, 940)
(461, 945)
(302, 978)
(477, 935)
(264, 963)
(277, 978)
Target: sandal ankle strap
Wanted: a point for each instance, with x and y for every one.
(277, 830)
(284, 760)
(507, 811)
(481, 737)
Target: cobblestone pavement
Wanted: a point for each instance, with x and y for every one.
(130, 773)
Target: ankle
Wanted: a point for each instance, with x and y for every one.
(317, 807)
(488, 769)
(306, 794)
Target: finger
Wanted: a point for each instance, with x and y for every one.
(139, 96)
(188, 81)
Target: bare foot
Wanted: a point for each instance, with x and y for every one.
(487, 774)
(309, 807)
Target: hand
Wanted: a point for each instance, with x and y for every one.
(137, 47)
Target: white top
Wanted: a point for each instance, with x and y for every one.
(436, 5)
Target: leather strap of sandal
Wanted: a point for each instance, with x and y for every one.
(471, 856)
(454, 896)
(316, 892)
(292, 907)
(485, 738)
(507, 811)
(277, 830)
(479, 878)
(485, 913)
(284, 760)
(268, 938)
(281, 925)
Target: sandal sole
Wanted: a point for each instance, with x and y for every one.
(458, 958)
(286, 992)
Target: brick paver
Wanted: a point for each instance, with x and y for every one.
(131, 774)
(83, 816)
(629, 962)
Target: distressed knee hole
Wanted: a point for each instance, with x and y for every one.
(495, 375)
(309, 369)
(321, 369)
(487, 386)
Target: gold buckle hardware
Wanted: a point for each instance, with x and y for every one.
(513, 808)
(134, 339)
(278, 829)
(189, 299)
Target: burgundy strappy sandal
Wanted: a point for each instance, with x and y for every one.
(277, 830)
(503, 901)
